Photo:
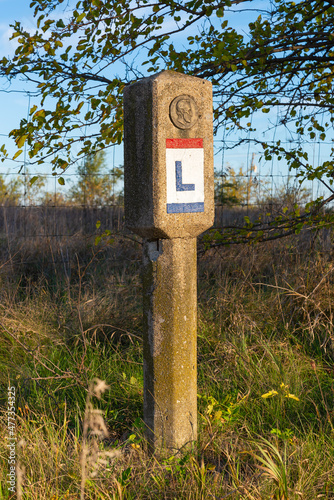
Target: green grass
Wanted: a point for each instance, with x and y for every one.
(264, 325)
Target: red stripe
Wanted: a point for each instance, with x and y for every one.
(184, 143)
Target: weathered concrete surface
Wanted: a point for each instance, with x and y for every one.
(166, 106)
(170, 339)
(169, 200)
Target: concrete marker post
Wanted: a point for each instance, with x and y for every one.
(169, 201)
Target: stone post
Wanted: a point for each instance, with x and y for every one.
(169, 201)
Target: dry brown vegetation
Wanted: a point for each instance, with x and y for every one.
(70, 312)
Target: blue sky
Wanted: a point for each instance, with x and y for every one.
(14, 104)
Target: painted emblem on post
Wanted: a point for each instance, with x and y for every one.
(185, 175)
(183, 111)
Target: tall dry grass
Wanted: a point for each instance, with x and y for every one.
(71, 312)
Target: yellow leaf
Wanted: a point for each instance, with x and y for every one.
(209, 409)
(218, 415)
(41, 113)
(21, 140)
(17, 154)
(33, 109)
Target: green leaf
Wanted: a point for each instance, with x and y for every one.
(33, 180)
(80, 17)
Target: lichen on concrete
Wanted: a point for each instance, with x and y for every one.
(170, 336)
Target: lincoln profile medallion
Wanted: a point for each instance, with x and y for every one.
(183, 111)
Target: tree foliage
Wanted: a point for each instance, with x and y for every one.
(95, 185)
(10, 192)
(18, 189)
(83, 53)
(235, 188)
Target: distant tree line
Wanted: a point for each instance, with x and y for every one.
(240, 188)
(93, 185)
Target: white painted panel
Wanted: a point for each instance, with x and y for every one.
(192, 161)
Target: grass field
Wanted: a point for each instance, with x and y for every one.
(70, 317)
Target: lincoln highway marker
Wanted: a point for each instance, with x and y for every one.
(169, 186)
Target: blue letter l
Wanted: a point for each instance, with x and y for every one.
(178, 174)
